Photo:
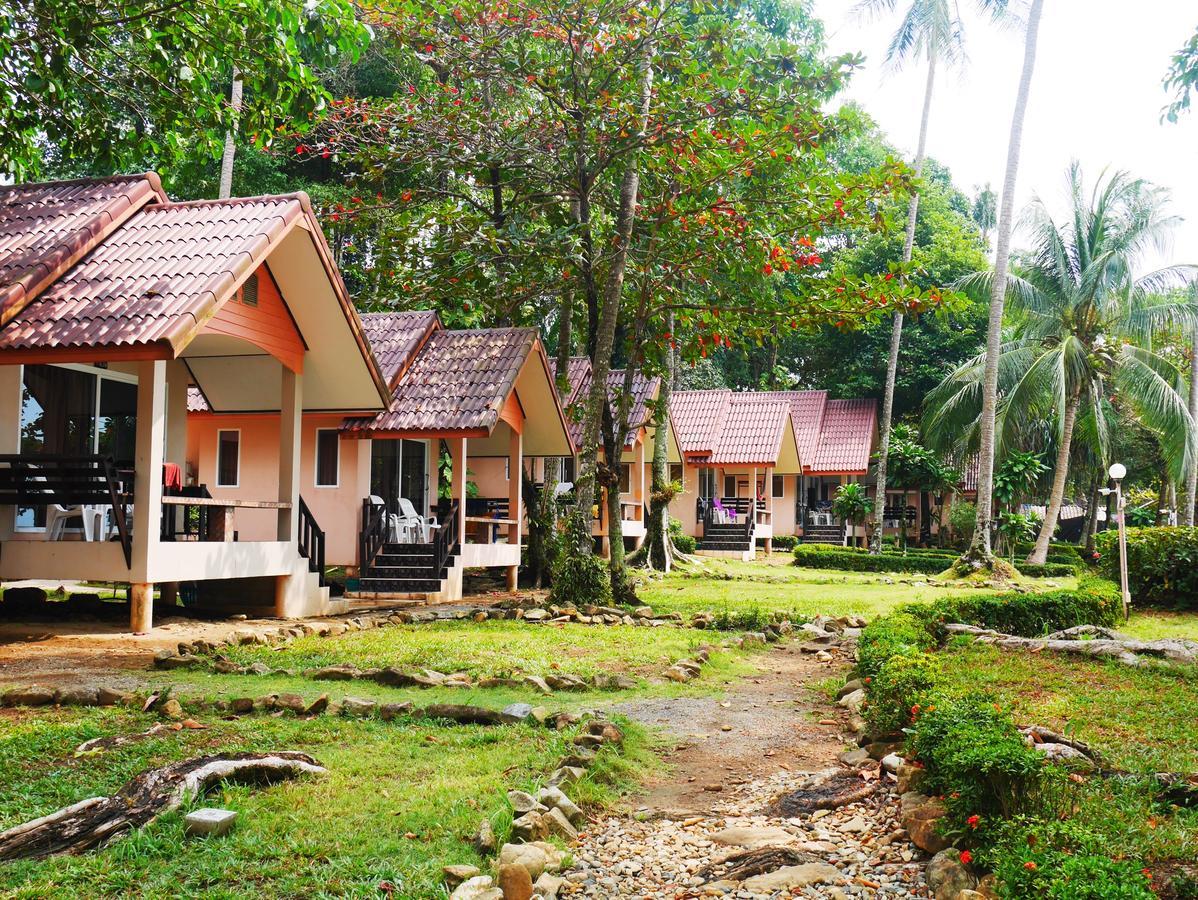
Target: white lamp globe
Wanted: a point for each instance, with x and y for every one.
(1118, 471)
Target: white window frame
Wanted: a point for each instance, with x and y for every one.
(316, 461)
(219, 432)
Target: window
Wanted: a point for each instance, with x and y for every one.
(228, 458)
(675, 473)
(328, 457)
(729, 485)
(779, 486)
(707, 483)
(249, 291)
(626, 478)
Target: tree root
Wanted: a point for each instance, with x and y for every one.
(748, 863)
(1126, 650)
(97, 821)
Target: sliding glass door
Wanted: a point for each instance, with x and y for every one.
(399, 468)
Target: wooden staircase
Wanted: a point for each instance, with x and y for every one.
(823, 534)
(407, 569)
(731, 537)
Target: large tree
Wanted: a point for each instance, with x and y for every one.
(1083, 329)
(933, 30)
(979, 554)
(111, 84)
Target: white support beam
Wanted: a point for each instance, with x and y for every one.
(290, 440)
(515, 505)
(147, 488)
(457, 488)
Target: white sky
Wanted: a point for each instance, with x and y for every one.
(1097, 97)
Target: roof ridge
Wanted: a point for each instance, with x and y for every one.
(149, 175)
(300, 197)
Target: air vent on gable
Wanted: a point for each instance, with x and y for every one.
(249, 291)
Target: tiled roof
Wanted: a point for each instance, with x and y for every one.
(807, 412)
(156, 277)
(752, 432)
(459, 381)
(47, 228)
(698, 418)
(196, 402)
(846, 438)
(395, 336)
(644, 389)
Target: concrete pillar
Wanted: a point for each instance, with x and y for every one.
(10, 434)
(176, 413)
(457, 489)
(513, 577)
(147, 489)
(515, 495)
(290, 442)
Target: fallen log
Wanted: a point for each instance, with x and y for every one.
(747, 863)
(97, 821)
(1130, 651)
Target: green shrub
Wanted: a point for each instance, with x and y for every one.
(900, 633)
(901, 688)
(580, 579)
(1162, 565)
(683, 543)
(1048, 570)
(785, 542)
(1062, 860)
(754, 618)
(974, 756)
(854, 560)
(1094, 602)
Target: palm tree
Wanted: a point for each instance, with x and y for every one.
(978, 555)
(932, 29)
(984, 212)
(1083, 326)
(1189, 497)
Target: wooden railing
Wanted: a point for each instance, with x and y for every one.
(446, 537)
(311, 541)
(373, 533)
(186, 521)
(741, 509)
(69, 481)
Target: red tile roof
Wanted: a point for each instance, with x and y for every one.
(47, 228)
(459, 381)
(395, 336)
(156, 278)
(846, 438)
(752, 432)
(833, 436)
(644, 389)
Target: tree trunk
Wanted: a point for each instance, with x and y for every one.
(610, 312)
(1092, 518)
(979, 553)
(226, 161)
(97, 821)
(1060, 478)
(658, 529)
(896, 332)
(1190, 495)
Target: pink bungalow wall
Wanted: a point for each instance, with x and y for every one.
(336, 508)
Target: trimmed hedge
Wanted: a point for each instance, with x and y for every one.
(922, 561)
(785, 542)
(1162, 565)
(1048, 570)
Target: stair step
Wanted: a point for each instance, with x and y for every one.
(400, 585)
(723, 545)
(394, 572)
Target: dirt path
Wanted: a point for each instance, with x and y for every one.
(776, 721)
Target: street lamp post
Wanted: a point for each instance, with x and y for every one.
(1118, 472)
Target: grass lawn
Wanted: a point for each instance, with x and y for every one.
(400, 801)
(1153, 624)
(775, 584)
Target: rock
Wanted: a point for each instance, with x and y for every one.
(109, 696)
(750, 838)
(566, 775)
(259, 669)
(334, 673)
(970, 895)
(484, 838)
(208, 822)
(547, 886)
(536, 615)
(358, 706)
(677, 673)
(947, 876)
(855, 825)
(606, 682)
(910, 776)
(564, 682)
(293, 702)
(455, 875)
(851, 685)
(790, 877)
(480, 887)
(83, 695)
(319, 705)
(552, 796)
(853, 701)
(465, 715)
(390, 711)
(172, 709)
(643, 612)
(582, 758)
(1055, 753)
(539, 683)
(919, 815)
(531, 827)
(176, 660)
(854, 758)
(559, 826)
(606, 730)
(523, 802)
(532, 857)
(518, 711)
(988, 886)
(515, 882)
(892, 761)
(241, 705)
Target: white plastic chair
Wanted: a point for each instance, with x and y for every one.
(422, 525)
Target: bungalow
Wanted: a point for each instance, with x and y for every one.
(114, 301)
(737, 449)
(636, 458)
(466, 405)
